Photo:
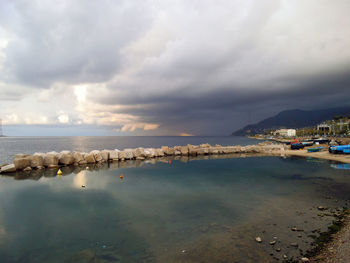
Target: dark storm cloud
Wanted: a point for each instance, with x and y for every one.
(69, 41)
(225, 106)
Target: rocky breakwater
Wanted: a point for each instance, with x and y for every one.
(54, 160)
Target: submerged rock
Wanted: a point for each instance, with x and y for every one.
(258, 239)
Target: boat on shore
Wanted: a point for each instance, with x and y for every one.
(316, 149)
(339, 149)
(321, 141)
(308, 143)
(297, 146)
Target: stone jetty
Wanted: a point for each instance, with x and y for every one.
(54, 160)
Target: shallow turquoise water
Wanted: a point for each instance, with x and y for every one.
(186, 211)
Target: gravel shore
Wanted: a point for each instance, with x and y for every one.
(338, 250)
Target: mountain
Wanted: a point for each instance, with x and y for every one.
(292, 119)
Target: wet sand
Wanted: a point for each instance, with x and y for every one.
(342, 158)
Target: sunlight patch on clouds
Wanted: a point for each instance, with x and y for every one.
(80, 93)
(145, 126)
(63, 118)
(185, 134)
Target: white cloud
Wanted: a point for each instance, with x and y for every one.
(63, 118)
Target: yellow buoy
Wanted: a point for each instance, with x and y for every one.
(59, 172)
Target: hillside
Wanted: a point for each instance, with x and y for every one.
(293, 119)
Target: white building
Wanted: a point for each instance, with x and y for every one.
(286, 132)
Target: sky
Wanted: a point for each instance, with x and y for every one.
(167, 67)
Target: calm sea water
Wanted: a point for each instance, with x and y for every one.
(190, 210)
(9, 146)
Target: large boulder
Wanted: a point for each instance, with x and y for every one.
(129, 154)
(21, 163)
(51, 160)
(184, 150)
(192, 150)
(204, 145)
(36, 160)
(10, 168)
(150, 152)
(168, 150)
(159, 152)
(66, 159)
(122, 155)
(97, 155)
(105, 155)
(165, 149)
(140, 152)
(114, 155)
(21, 155)
(54, 153)
(203, 151)
(89, 158)
(78, 157)
(228, 150)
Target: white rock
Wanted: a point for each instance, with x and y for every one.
(21, 163)
(36, 161)
(89, 158)
(114, 155)
(78, 157)
(105, 155)
(50, 160)
(97, 155)
(10, 168)
(258, 239)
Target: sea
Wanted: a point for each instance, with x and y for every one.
(202, 209)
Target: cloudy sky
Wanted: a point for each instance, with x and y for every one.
(167, 67)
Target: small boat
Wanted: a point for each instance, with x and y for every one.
(321, 140)
(339, 149)
(308, 143)
(297, 146)
(316, 149)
